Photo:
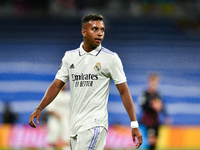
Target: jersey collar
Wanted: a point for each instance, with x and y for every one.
(95, 52)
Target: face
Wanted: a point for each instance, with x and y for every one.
(93, 33)
(153, 83)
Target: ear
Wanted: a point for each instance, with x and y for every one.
(83, 32)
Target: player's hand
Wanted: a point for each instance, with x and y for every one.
(136, 133)
(35, 114)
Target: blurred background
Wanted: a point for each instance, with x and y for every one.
(148, 35)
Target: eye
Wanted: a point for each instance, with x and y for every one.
(95, 29)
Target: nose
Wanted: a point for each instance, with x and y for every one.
(100, 33)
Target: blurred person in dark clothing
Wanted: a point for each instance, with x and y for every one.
(8, 115)
(152, 105)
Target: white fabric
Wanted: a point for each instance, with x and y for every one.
(91, 139)
(59, 128)
(134, 124)
(90, 75)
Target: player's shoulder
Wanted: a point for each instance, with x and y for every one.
(72, 51)
(108, 52)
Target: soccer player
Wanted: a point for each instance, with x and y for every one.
(151, 104)
(58, 120)
(90, 69)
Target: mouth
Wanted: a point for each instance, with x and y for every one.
(98, 40)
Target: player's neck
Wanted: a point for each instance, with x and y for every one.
(150, 90)
(88, 48)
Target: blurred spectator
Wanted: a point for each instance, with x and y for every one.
(39, 7)
(21, 7)
(62, 7)
(8, 116)
(58, 121)
(66, 3)
(91, 4)
(152, 106)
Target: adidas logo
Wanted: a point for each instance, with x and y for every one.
(72, 66)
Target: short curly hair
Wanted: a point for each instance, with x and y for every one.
(89, 17)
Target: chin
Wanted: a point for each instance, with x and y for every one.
(97, 44)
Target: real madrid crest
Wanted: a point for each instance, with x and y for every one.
(97, 67)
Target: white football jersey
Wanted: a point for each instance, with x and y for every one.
(90, 75)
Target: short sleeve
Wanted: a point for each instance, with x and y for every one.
(116, 70)
(63, 73)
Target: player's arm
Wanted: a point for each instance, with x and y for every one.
(49, 96)
(129, 106)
